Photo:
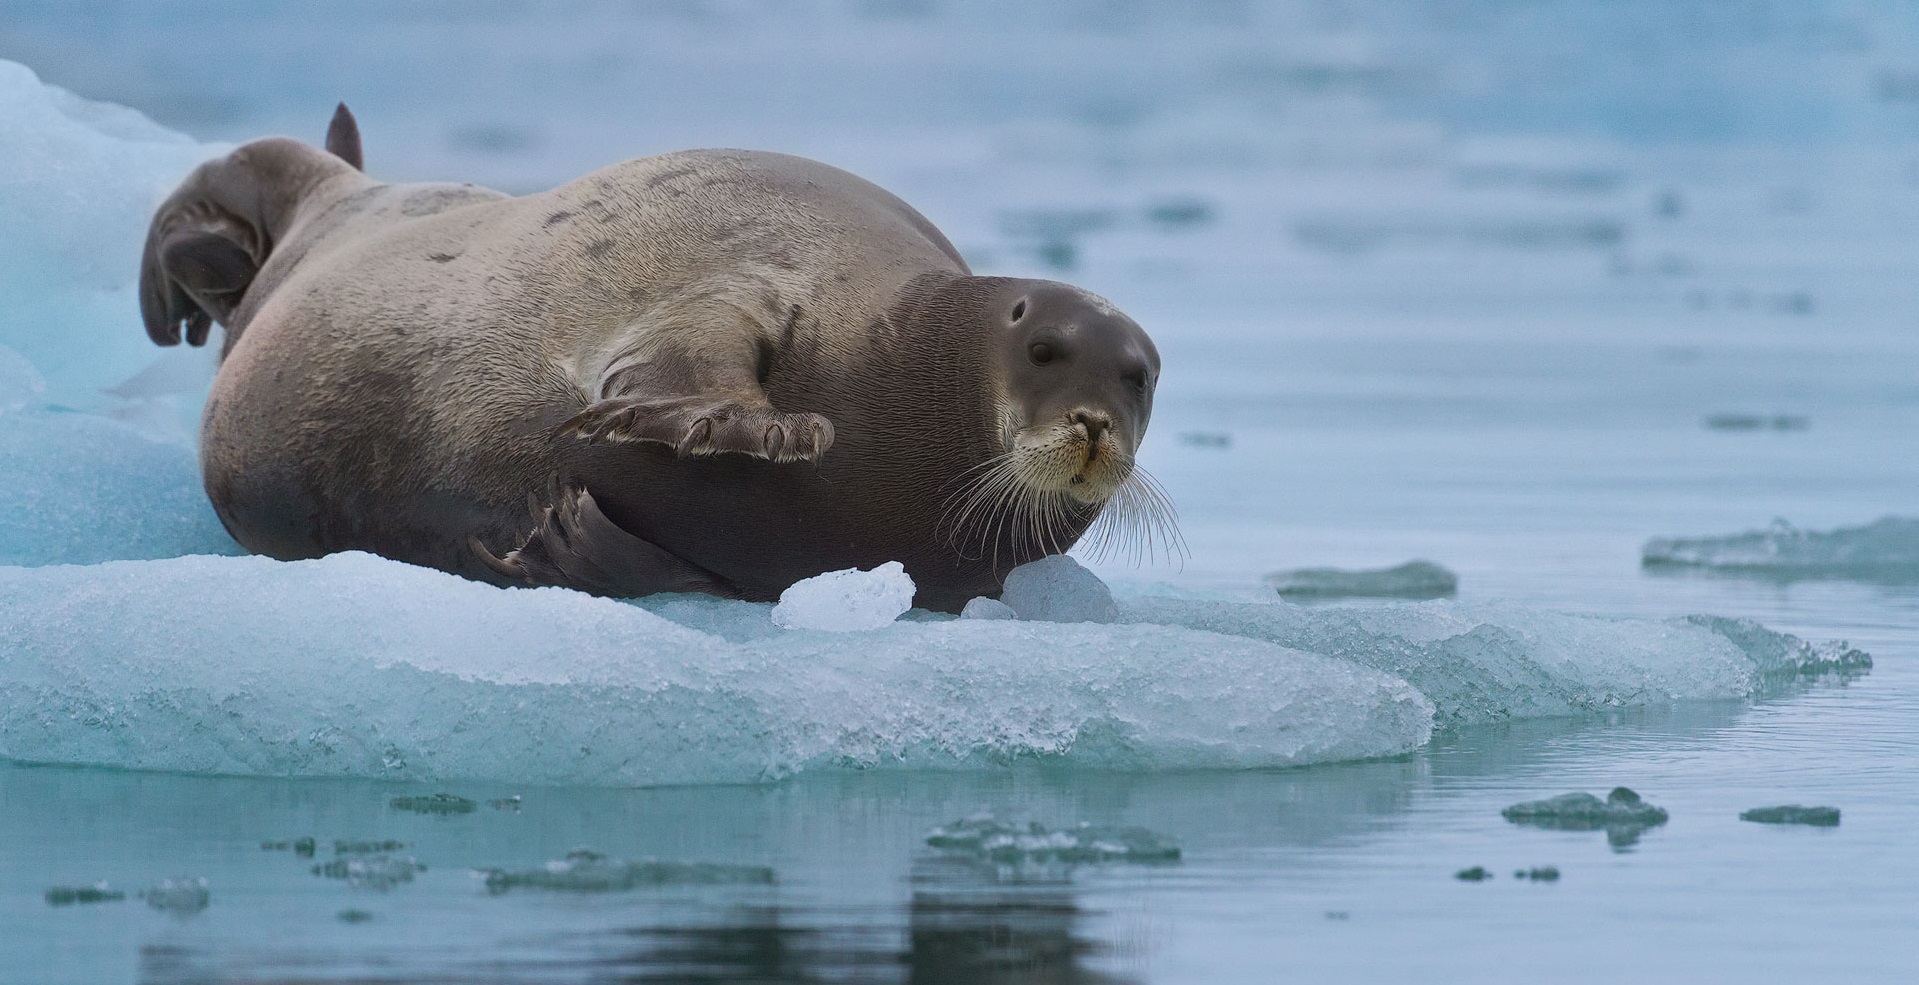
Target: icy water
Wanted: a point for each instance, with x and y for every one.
(1498, 285)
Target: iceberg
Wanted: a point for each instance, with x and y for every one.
(1887, 548)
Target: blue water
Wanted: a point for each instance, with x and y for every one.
(1461, 281)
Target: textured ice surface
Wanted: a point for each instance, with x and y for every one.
(1822, 817)
(78, 184)
(81, 488)
(1057, 589)
(356, 666)
(1482, 662)
(846, 601)
(985, 608)
(1888, 547)
(180, 895)
(1412, 580)
(585, 871)
(378, 871)
(988, 839)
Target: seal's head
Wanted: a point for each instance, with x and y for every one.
(1072, 379)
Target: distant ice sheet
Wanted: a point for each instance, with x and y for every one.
(1412, 580)
(357, 666)
(1885, 548)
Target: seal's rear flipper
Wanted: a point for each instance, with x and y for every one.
(343, 138)
(574, 545)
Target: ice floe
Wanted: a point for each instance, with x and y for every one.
(1885, 548)
(1820, 817)
(357, 666)
(1487, 662)
(587, 871)
(1412, 580)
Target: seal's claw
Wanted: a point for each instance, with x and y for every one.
(705, 428)
(574, 545)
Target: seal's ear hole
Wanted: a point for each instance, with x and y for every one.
(1019, 309)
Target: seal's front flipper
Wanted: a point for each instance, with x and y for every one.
(574, 545)
(704, 426)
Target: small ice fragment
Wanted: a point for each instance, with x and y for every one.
(341, 847)
(985, 608)
(584, 871)
(182, 895)
(96, 893)
(1622, 815)
(440, 803)
(1544, 873)
(506, 804)
(1824, 817)
(354, 916)
(1477, 873)
(302, 846)
(1206, 439)
(381, 872)
(846, 601)
(1057, 589)
(1412, 580)
(987, 839)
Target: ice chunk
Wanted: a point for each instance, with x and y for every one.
(1057, 589)
(78, 184)
(985, 608)
(354, 665)
(381, 872)
(443, 804)
(1477, 873)
(846, 601)
(987, 839)
(584, 871)
(80, 488)
(96, 893)
(1487, 662)
(180, 895)
(1885, 548)
(1622, 815)
(1412, 580)
(1824, 817)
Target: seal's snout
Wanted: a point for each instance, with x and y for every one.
(1093, 424)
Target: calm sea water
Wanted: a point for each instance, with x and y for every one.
(1450, 280)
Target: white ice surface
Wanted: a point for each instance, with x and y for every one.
(846, 601)
(357, 666)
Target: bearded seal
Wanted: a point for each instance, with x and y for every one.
(712, 370)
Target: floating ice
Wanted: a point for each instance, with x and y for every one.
(1824, 817)
(1412, 580)
(354, 665)
(846, 601)
(1487, 662)
(1477, 873)
(96, 893)
(990, 840)
(20, 384)
(381, 872)
(985, 608)
(1886, 548)
(1622, 815)
(1057, 589)
(443, 804)
(584, 871)
(180, 895)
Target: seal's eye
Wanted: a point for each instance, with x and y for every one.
(1041, 353)
(1019, 310)
(1137, 380)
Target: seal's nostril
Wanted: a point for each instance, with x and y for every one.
(1095, 425)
